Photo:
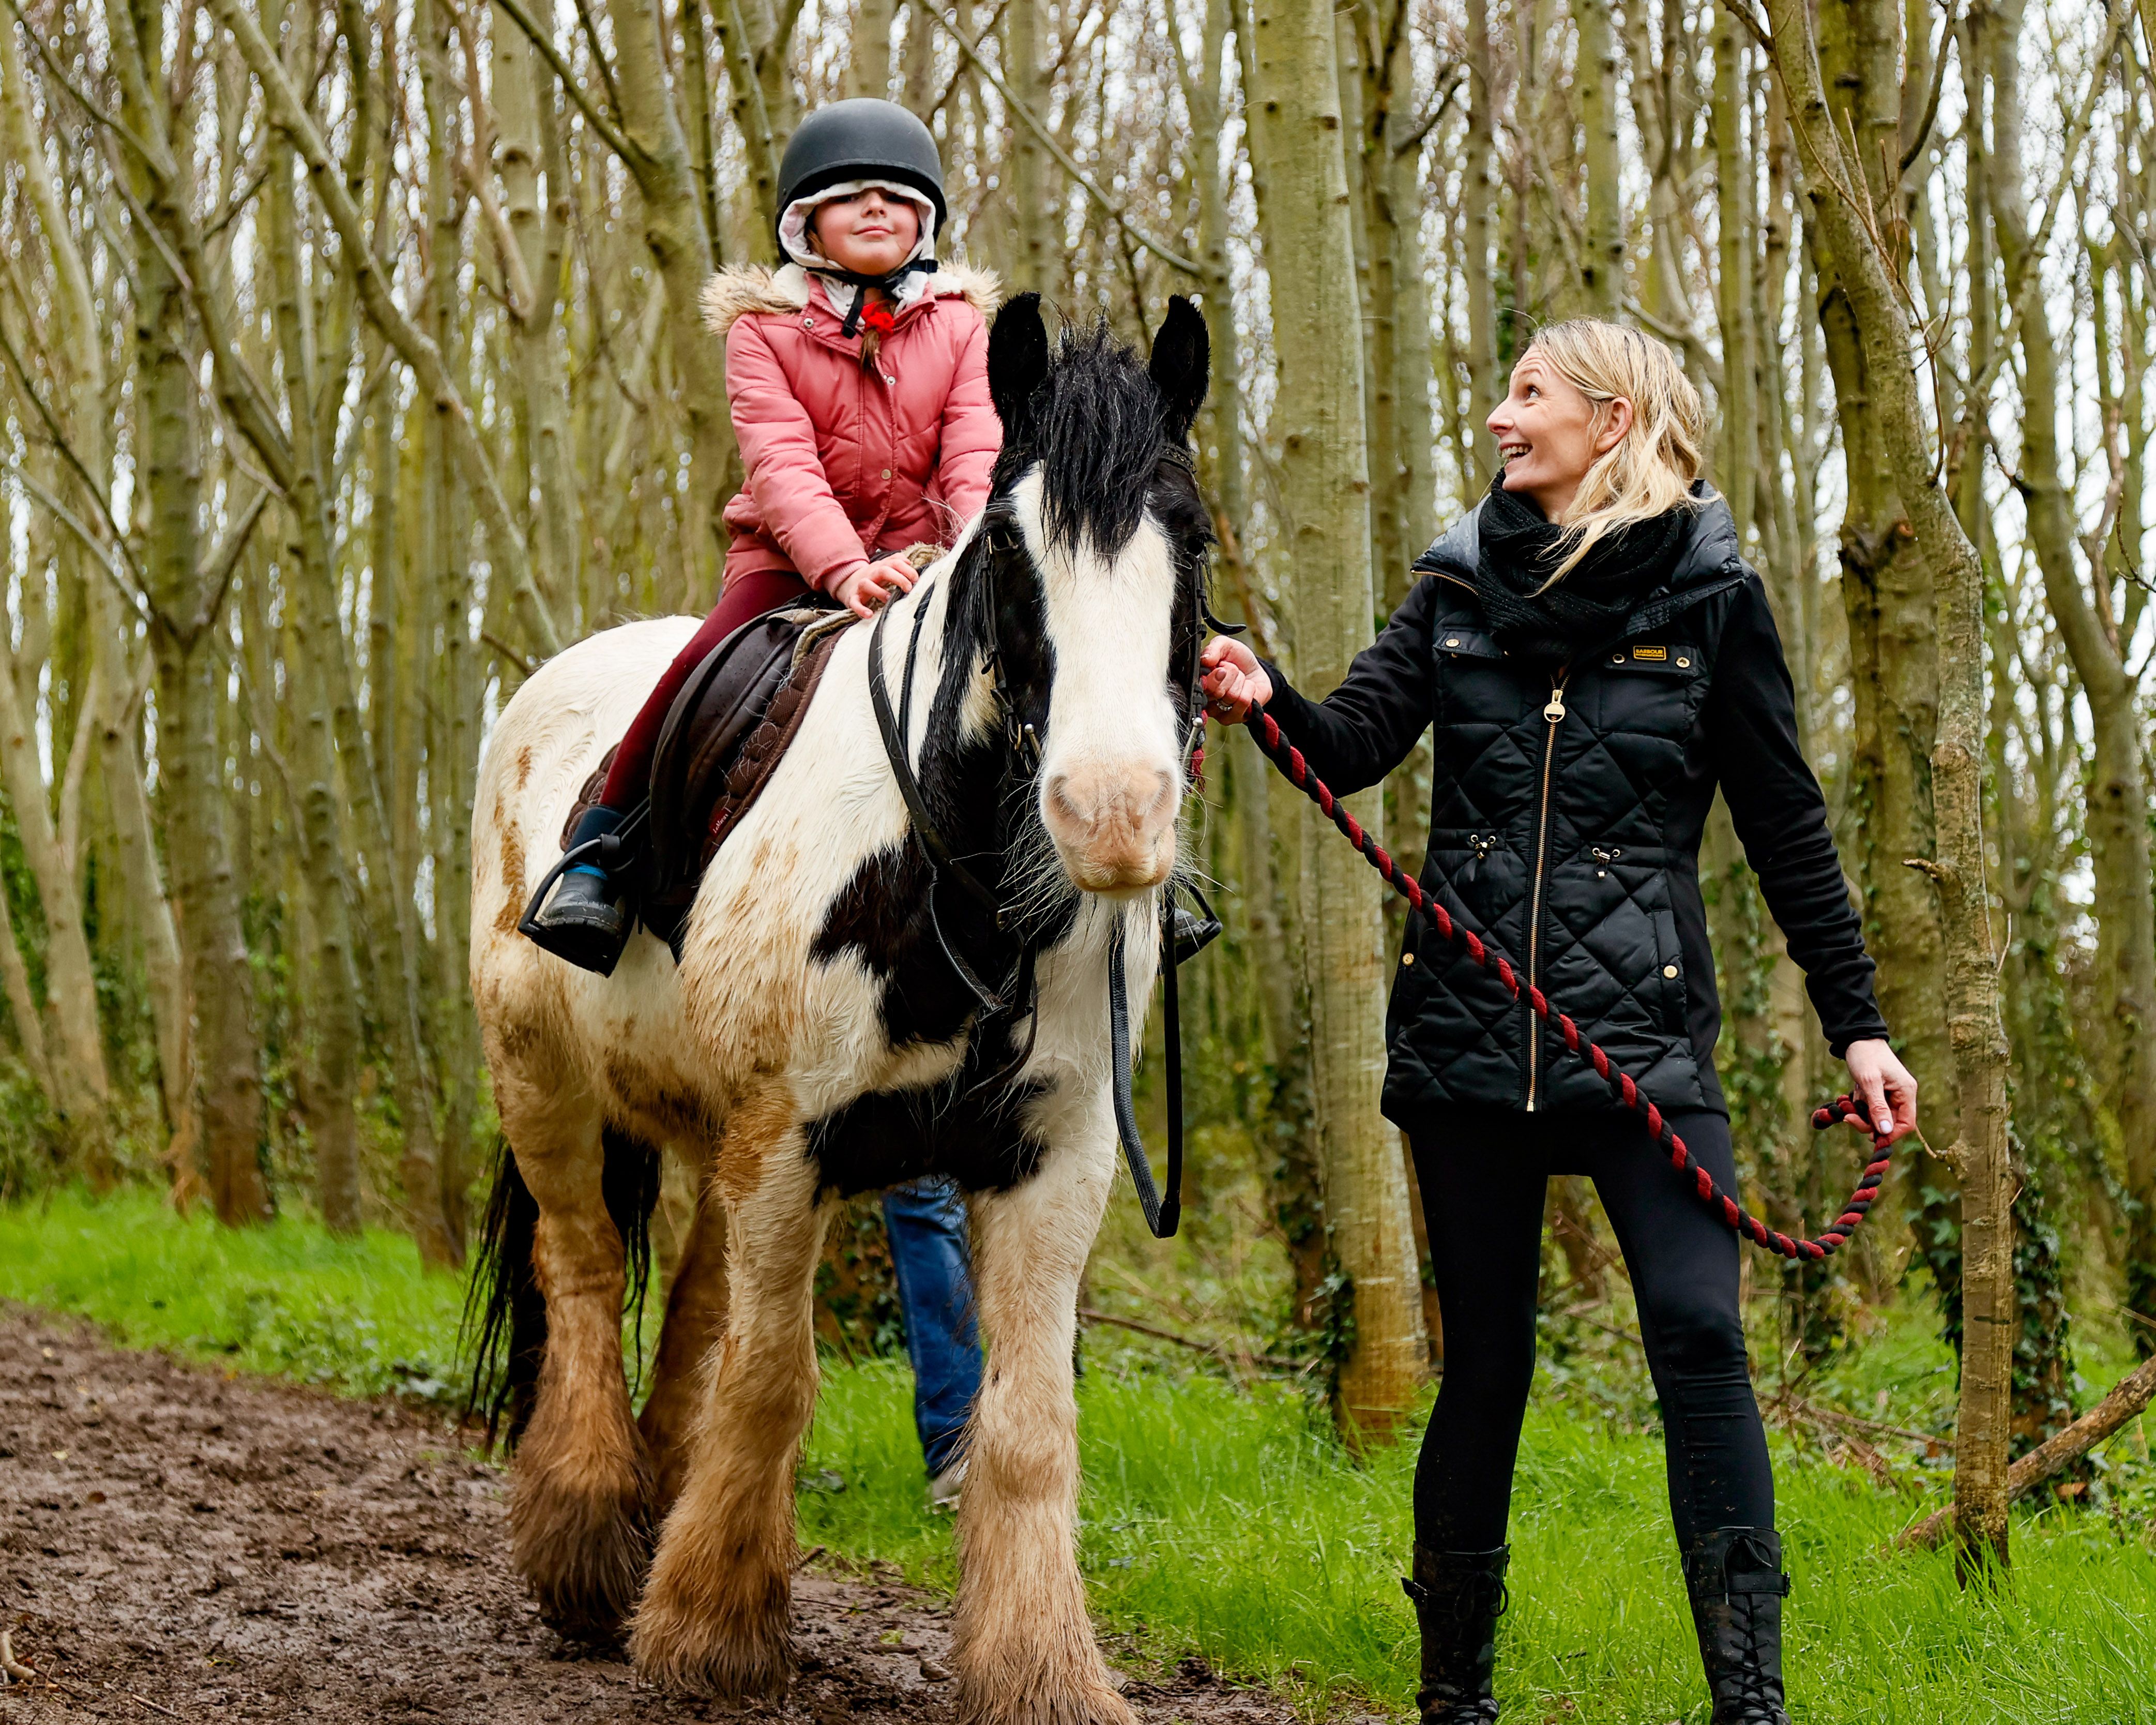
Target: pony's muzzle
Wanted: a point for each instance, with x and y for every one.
(1113, 823)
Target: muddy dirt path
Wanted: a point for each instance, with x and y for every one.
(174, 1543)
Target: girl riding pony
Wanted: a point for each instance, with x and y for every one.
(857, 374)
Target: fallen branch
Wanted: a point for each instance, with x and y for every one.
(1277, 1362)
(2128, 1397)
(1578, 1314)
(1798, 1408)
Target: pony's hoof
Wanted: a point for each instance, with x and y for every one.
(585, 1554)
(695, 1653)
(1087, 1699)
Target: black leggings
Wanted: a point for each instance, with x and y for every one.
(1483, 1172)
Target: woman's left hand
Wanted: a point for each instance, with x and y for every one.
(1876, 1074)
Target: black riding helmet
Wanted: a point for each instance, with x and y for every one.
(862, 138)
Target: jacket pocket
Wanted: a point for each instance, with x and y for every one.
(1670, 970)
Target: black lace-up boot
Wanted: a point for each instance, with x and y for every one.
(1459, 1596)
(1735, 1579)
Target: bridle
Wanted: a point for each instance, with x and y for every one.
(1019, 997)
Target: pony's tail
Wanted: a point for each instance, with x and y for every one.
(505, 1313)
(628, 1180)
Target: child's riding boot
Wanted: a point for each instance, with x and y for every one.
(1459, 1596)
(587, 921)
(1735, 1577)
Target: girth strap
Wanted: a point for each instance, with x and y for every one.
(1161, 1214)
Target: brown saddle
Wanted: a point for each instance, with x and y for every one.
(724, 735)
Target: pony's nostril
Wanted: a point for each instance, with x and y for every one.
(1059, 801)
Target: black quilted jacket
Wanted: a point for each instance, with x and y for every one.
(1566, 811)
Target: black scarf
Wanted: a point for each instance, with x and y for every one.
(1519, 548)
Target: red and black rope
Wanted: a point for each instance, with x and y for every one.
(1283, 755)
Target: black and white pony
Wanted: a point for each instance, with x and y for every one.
(844, 1016)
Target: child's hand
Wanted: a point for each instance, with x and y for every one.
(1233, 681)
(871, 587)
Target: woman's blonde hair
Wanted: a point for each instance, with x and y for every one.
(1651, 468)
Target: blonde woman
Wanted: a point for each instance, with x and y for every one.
(1594, 659)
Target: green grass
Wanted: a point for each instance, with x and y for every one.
(358, 1315)
(1230, 1522)
(1234, 1525)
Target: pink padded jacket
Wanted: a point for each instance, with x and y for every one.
(849, 461)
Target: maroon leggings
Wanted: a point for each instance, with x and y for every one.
(746, 596)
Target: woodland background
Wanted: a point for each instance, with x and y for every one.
(351, 365)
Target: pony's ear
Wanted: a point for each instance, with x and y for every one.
(1018, 361)
(1182, 365)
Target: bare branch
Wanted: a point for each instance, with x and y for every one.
(1741, 10)
(1915, 147)
(59, 440)
(137, 602)
(1033, 124)
(2128, 1397)
(288, 113)
(89, 104)
(610, 134)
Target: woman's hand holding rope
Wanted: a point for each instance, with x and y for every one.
(1233, 681)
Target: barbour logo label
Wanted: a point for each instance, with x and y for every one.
(1656, 654)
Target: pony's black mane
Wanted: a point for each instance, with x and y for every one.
(1098, 428)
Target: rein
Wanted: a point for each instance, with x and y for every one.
(1266, 732)
(1163, 1214)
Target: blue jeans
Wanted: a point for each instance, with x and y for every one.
(926, 1222)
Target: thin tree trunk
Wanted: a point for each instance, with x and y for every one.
(868, 67)
(1319, 414)
(674, 232)
(523, 92)
(1478, 218)
(134, 838)
(1033, 240)
(329, 1071)
(191, 683)
(1602, 265)
(1887, 597)
(1936, 541)
(29, 1028)
(2116, 812)
(82, 1091)
(1736, 477)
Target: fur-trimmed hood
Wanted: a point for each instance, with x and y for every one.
(741, 288)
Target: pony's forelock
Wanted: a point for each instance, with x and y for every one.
(1097, 428)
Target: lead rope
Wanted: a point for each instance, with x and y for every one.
(1283, 755)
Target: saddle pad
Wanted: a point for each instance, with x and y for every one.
(724, 733)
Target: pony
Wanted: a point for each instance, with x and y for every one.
(898, 964)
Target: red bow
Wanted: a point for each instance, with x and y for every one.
(880, 318)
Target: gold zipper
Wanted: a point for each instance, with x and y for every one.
(1554, 713)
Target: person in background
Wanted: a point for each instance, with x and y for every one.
(926, 1221)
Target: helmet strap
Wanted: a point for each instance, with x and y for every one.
(891, 283)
